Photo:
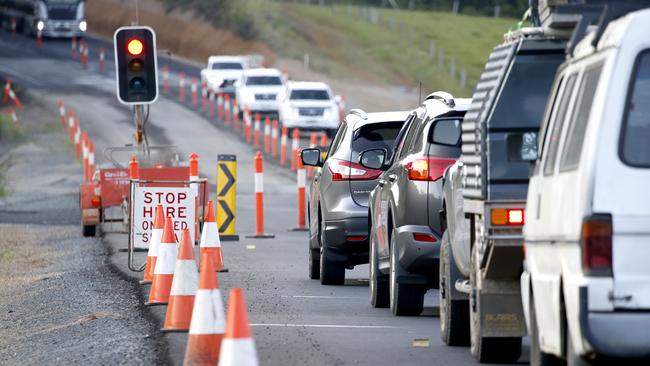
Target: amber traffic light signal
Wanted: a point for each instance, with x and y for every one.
(136, 65)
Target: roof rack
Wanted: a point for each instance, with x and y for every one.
(442, 96)
(358, 112)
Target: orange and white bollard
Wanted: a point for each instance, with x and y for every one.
(274, 138)
(102, 60)
(181, 87)
(165, 75)
(323, 140)
(13, 115)
(259, 199)
(73, 47)
(77, 138)
(194, 177)
(219, 107)
(283, 146)
(295, 145)
(247, 128)
(91, 158)
(267, 135)
(84, 154)
(301, 181)
(194, 93)
(39, 39)
(235, 114)
(62, 112)
(13, 27)
(204, 97)
(211, 103)
(256, 131)
(312, 144)
(226, 108)
(71, 119)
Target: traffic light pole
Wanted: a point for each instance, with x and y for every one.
(139, 119)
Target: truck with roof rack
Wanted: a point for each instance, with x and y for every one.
(485, 195)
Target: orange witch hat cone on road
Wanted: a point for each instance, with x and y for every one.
(163, 273)
(156, 236)
(237, 347)
(181, 297)
(208, 321)
(210, 243)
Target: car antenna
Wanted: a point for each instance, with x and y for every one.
(420, 93)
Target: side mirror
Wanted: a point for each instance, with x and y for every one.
(446, 132)
(373, 159)
(311, 157)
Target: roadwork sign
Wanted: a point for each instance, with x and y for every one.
(226, 192)
(179, 204)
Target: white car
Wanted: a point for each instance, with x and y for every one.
(586, 282)
(258, 91)
(222, 72)
(309, 106)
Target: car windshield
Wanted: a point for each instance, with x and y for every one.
(227, 66)
(313, 94)
(375, 136)
(263, 80)
(523, 98)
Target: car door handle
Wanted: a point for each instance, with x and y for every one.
(381, 182)
(392, 177)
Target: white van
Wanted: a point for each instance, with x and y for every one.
(586, 282)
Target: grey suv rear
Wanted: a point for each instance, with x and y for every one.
(338, 195)
(404, 222)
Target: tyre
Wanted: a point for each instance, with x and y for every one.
(487, 349)
(314, 264)
(454, 314)
(89, 230)
(331, 272)
(537, 356)
(405, 299)
(379, 291)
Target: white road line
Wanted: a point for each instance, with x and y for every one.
(320, 297)
(337, 326)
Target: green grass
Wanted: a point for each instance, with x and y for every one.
(343, 45)
(8, 131)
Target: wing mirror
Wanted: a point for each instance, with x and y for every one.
(373, 159)
(311, 157)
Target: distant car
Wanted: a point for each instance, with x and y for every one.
(222, 72)
(309, 106)
(405, 227)
(586, 281)
(258, 91)
(338, 195)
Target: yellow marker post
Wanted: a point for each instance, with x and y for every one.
(226, 193)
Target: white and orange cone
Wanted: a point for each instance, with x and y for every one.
(208, 321)
(237, 347)
(181, 297)
(210, 242)
(156, 236)
(163, 274)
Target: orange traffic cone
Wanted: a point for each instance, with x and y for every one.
(156, 235)
(237, 347)
(208, 320)
(181, 297)
(163, 273)
(210, 243)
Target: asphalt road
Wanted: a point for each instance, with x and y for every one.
(295, 320)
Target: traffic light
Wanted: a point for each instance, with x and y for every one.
(136, 65)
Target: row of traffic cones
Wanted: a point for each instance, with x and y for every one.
(84, 146)
(193, 298)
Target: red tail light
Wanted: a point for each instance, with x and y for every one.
(428, 168)
(507, 216)
(596, 244)
(356, 238)
(345, 170)
(424, 237)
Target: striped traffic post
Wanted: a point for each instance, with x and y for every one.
(181, 87)
(274, 138)
(267, 135)
(301, 183)
(259, 198)
(62, 112)
(194, 92)
(235, 114)
(295, 144)
(256, 132)
(226, 109)
(283, 146)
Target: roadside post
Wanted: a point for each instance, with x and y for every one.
(226, 196)
(301, 181)
(259, 199)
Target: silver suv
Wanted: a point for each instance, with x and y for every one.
(338, 195)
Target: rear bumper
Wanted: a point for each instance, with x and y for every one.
(311, 123)
(615, 334)
(336, 233)
(417, 257)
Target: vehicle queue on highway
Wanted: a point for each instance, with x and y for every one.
(524, 205)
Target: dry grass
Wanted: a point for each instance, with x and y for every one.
(194, 40)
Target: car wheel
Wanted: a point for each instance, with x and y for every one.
(454, 314)
(89, 230)
(537, 356)
(314, 254)
(379, 291)
(331, 272)
(405, 299)
(487, 349)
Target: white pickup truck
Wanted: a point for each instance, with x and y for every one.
(309, 106)
(222, 72)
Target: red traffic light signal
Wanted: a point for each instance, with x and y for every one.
(135, 47)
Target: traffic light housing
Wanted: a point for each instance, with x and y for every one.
(136, 65)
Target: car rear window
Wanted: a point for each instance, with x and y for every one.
(263, 80)
(227, 66)
(523, 98)
(634, 147)
(304, 94)
(375, 136)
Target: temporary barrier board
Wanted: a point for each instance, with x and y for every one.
(179, 204)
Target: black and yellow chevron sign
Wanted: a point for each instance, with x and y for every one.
(226, 193)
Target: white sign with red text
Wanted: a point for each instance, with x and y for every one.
(179, 203)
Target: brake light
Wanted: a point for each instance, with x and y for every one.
(356, 238)
(429, 168)
(345, 170)
(507, 216)
(424, 237)
(96, 201)
(596, 245)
